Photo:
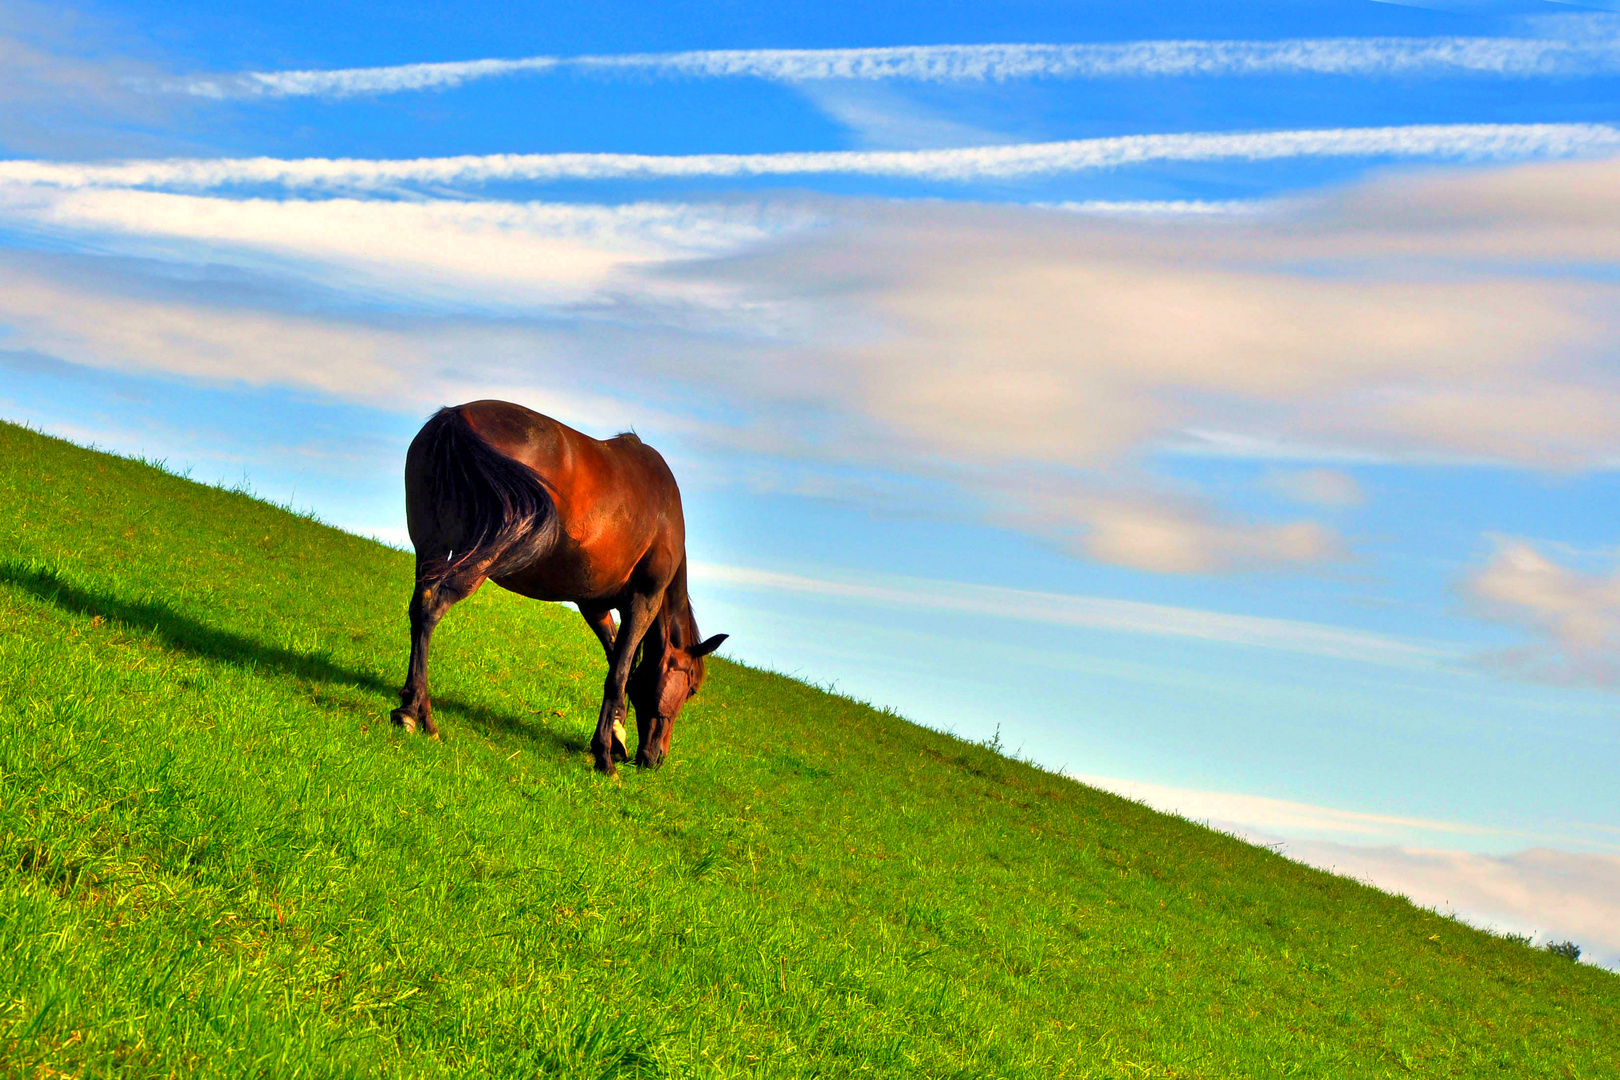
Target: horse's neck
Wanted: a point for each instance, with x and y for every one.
(678, 617)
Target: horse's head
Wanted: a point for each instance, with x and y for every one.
(660, 685)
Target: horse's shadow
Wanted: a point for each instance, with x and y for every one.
(186, 634)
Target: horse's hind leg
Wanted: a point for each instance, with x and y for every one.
(431, 599)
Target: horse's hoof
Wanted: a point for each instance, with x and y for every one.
(403, 719)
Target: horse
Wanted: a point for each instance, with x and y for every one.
(497, 492)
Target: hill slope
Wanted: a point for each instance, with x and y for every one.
(218, 859)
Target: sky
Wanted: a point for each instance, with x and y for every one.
(1219, 403)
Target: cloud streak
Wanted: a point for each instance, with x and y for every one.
(1097, 613)
(349, 82)
(1444, 142)
(1375, 57)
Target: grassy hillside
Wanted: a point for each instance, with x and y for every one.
(218, 859)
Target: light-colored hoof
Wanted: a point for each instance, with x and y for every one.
(403, 719)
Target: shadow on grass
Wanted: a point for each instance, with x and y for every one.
(186, 634)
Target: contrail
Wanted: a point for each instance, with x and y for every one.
(1380, 56)
(1452, 142)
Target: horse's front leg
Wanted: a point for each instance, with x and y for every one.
(601, 624)
(638, 616)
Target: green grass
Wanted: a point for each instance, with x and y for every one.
(218, 859)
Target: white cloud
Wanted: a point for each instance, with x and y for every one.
(1061, 609)
(1029, 359)
(977, 63)
(1378, 56)
(497, 252)
(1458, 142)
(1575, 615)
(1015, 338)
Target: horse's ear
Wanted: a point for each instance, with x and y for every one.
(704, 648)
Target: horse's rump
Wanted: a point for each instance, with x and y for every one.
(492, 513)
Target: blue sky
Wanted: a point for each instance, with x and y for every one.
(1219, 400)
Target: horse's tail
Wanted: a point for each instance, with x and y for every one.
(498, 513)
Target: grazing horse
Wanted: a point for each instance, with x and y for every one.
(494, 491)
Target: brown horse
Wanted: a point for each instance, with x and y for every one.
(494, 491)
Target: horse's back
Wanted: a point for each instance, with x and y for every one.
(567, 459)
(617, 501)
(521, 433)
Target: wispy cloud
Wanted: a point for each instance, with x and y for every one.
(109, 330)
(881, 116)
(1447, 142)
(1167, 535)
(1378, 56)
(1099, 613)
(1264, 815)
(1331, 488)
